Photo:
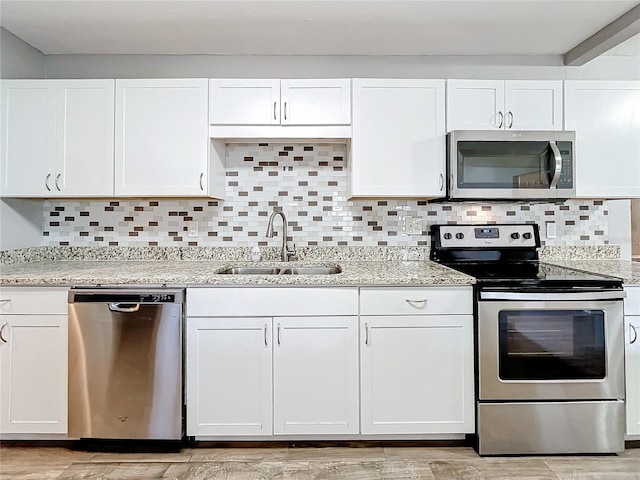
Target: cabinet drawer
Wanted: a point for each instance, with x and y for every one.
(33, 300)
(632, 300)
(416, 300)
(220, 302)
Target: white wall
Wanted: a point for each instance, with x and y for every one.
(249, 66)
(21, 223)
(18, 59)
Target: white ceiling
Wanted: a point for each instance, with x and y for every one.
(312, 27)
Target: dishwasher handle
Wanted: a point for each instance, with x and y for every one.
(124, 307)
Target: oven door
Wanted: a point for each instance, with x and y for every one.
(552, 348)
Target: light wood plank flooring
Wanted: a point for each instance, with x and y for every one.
(315, 463)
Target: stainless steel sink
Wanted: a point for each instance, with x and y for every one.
(311, 271)
(250, 271)
(281, 271)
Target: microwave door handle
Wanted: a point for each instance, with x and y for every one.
(558, 167)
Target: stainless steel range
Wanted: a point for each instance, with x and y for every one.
(549, 344)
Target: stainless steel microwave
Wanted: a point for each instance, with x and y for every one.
(510, 164)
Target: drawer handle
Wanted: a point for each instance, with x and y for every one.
(265, 335)
(366, 333)
(2, 330)
(5, 300)
(278, 334)
(417, 303)
(635, 335)
(274, 111)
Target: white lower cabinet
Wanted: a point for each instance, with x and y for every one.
(229, 379)
(315, 375)
(33, 361)
(417, 361)
(292, 372)
(632, 358)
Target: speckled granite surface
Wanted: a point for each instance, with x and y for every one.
(186, 266)
(203, 272)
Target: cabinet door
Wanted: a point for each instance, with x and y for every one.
(632, 373)
(161, 138)
(533, 105)
(398, 146)
(244, 102)
(606, 118)
(84, 159)
(315, 370)
(475, 105)
(315, 102)
(28, 137)
(33, 364)
(417, 374)
(228, 376)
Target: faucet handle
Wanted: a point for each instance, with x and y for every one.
(291, 251)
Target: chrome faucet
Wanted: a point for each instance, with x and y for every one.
(286, 252)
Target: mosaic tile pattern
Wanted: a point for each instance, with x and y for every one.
(309, 183)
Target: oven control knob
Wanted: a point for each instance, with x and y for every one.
(447, 236)
(459, 235)
(526, 235)
(515, 235)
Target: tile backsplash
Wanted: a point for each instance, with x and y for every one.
(309, 183)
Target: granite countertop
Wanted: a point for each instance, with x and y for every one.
(203, 272)
(185, 266)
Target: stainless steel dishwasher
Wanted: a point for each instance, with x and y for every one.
(125, 363)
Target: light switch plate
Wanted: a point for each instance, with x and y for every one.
(551, 229)
(192, 229)
(412, 225)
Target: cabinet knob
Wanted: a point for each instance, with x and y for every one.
(515, 235)
(526, 235)
(447, 236)
(459, 235)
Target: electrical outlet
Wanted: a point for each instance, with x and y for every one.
(412, 225)
(192, 228)
(551, 229)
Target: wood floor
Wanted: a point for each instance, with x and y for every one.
(317, 463)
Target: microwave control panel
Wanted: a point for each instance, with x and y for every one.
(566, 175)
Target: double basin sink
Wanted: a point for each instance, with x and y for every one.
(281, 270)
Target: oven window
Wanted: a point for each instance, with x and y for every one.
(551, 344)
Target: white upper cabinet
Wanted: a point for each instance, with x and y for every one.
(84, 155)
(606, 118)
(275, 102)
(161, 139)
(57, 138)
(398, 145)
(506, 105)
(259, 108)
(244, 102)
(315, 102)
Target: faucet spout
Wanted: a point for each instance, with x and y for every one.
(285, 252)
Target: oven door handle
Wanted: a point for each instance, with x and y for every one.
(568, 296)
